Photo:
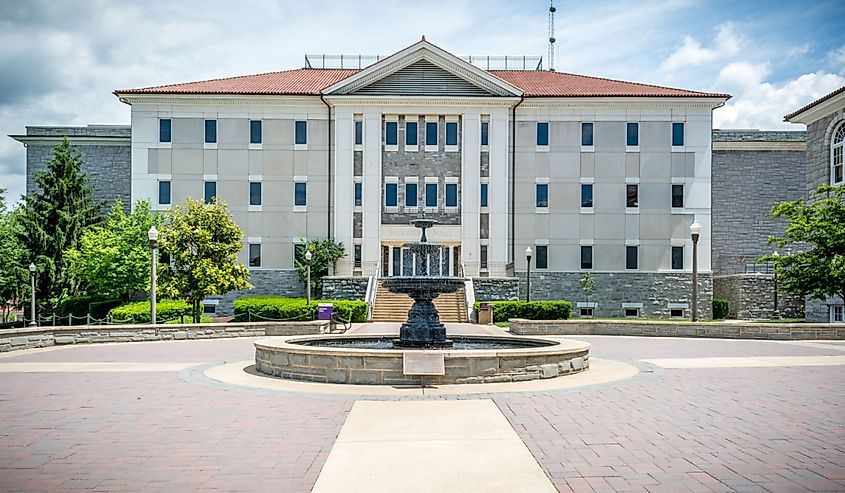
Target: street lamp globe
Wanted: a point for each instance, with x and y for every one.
(695, 229)
(528, 253)
(32, 268)
(152, 234)
(308, 256)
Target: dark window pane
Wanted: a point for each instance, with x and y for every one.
(451, 133)
(586, 195)
(301, 132)
(164, 192)
(677, 195)
(485, 133)
(358, 194)
(359, 133)
(677, 257)
(484, 187)
(542, 134)
(357, 256)
(676, 312)
(431, 195)
(254, 255)
(586, 134)
(586, 257)
(483, 255)
(210, 191)
(164, 130)
(255, 131)
(632, 312)
(411, 194)
(542, 195)
(451, 195)
(633, 138)
(255, 193)
(390, 190)
(542, 256)
(631, 257)
(299, 252)
(632, 196)
(210, 131)
(677, 134)
(431, 133)
(300, 194)
(390, 132)
(411, 133)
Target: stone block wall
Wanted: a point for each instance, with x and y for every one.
(819, 136)
(496, 288)
(345, 288)
(819, 311)
(265, 282)
(752, 297)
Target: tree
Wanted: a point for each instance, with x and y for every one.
(114, 258)
(13, 268)
(203, 244)
(323, 254)
(817, 267)
(588, 284)
(53, 218)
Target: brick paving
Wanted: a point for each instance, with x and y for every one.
(699, 430)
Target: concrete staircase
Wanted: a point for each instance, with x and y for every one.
(393, 307)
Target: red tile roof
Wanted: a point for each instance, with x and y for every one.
(810, 105)
(312, 81)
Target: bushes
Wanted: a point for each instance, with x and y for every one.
(531, 310)
(139, 312)
(79, 306)
(721, 308)
(257, 308)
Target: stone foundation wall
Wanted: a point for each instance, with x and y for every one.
(819, 311)
(265, 282)
(345, 288)
(726, 330)
(752, 297)
(496, 288)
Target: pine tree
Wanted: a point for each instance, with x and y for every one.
(13, 269)
(53, 217)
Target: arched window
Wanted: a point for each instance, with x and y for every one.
(837, 156)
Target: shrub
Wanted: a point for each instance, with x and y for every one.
(79, 306)
(139, 312)
(258, 308)
(531, 310)
(721, 308)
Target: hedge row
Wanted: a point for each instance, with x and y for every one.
(139, 312)
(531, 310)
(97, 305)
(257, 308)
(721, 308)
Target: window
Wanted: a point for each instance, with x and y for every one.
(451, 133)
(431, 133)
(586, 257)
(411, 134)
(631, 257)
(164, 130)
(633, 135)
(542, 195)
(837, 313)
(301, 131)
(632, 195)
(390, 195)
(358, 194)
(586, 195)
(587, 134)
(210, 191)
(411, 194)
(677, 257)
(677, 134)
(209, 309)
(255, 131)
(542, 254)
(211, 131)
(255, 193)
(391, 130)
(451, 195)
(542, 134)
(837, 156)
(483, 256)
(359, 133)
(676, 312)
(586, 312)
(484, 188)
(255, 254)
(431, 195)
(632, 312)
(164, 192)
(677, 195)
(485, 133)
(300, 194)
(299, 252)
(357, 256)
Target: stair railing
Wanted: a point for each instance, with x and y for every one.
(372, 289)
(469, 296)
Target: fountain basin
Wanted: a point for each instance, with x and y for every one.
(355, 359)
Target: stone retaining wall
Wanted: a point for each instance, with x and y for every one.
(752, 297)
(726, 330)
(26, 338)
(496, 288)
(345, 288)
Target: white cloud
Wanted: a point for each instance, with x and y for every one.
(739, 77)
(726, 44)
(837, 59)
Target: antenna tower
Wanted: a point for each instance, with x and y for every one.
(552, 36)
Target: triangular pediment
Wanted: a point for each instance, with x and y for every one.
(423, 69)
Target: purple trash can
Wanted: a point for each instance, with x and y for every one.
(324, 311)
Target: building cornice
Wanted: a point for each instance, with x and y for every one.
(492, 101)
(75, 140)
(759, 146)
(221, 99)
(818, 110)
(650, 102)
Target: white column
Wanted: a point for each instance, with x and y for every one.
(371, 200)
(498, 192)
(342, 193)
(470, 190)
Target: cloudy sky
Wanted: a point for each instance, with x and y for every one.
(60, 60)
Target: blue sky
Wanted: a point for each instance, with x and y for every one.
(61, 59)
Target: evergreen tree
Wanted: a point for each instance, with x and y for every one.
(13, 267)
(53, 218)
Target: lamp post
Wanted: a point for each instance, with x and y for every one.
(695, 231)
(776, 255)
(308, 258)
(528, 253)
(34, 321)
(152, 234)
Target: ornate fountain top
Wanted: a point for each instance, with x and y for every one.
(423, 223)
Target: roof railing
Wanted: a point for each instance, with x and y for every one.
(486, 62)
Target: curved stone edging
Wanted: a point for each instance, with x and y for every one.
(281, 357)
